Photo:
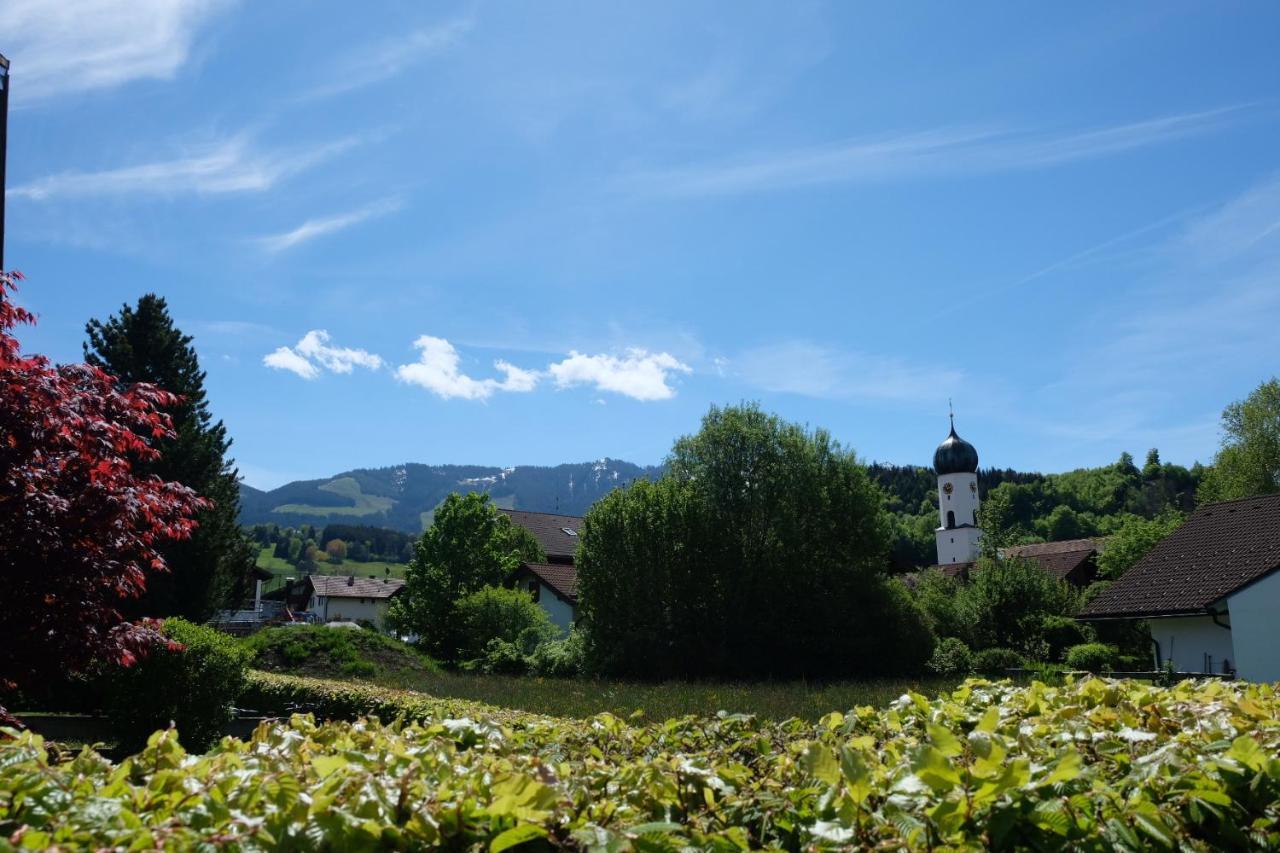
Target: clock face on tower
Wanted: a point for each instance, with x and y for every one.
(947, 487)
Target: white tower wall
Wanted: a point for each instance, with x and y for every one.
(958, 535)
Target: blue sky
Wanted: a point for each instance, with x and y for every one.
(532, 233)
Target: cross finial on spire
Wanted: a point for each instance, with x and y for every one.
(951, 413)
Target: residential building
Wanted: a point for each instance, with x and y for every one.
(351, 599)
(1210, 592)
(553, 584)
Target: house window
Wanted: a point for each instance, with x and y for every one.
(535, 589)
(951, 519)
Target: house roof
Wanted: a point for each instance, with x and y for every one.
(345, 586)
(1060, 559)
(563, 579)
(1219, 550)
(548, 528)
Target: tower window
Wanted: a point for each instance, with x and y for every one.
(951, 519)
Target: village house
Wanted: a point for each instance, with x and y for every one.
(553, 584)
(351, 599)
(1210, 592)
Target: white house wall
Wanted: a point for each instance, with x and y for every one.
(560, 612)
(1255, 628)
(1189, 641)
(333, 609)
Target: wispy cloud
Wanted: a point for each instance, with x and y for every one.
(84, 45)
(815, 370)
(364, 66)
(229, 166)
(638, 374)
(937, 151)
(313, 228)
(439, 370)
(312, 355)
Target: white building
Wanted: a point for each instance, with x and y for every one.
(1210, 592)
(958, 535)
(554, 586)
(351, 599)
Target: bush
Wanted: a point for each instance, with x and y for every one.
(997, 661)
(950, 657)
(1063, 632)
(510, 616)
(560, 658)
(1092, 657)
(1092, 765)
(195, 688)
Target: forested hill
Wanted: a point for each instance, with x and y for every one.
(403, 497)
(1035, 507)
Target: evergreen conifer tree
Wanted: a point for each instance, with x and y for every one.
(211, 569)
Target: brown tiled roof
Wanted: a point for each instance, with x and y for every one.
(343, 586)
(560, 577)
(548, 529)
(1220, 549)
(1060, 559)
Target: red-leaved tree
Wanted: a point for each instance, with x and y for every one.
(79, 530)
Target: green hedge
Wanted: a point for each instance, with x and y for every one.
(1094, 765)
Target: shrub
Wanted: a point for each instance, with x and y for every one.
(195, 687)
(560, 658)
(997, 661)
(1093, 657)
(510, 616)
(950, 657)
(1094, 765)
(1062, 632)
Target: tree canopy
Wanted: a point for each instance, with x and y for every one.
(83, 524)
(760, 552)
(1248, 462)
(470, 545)
(210, 570)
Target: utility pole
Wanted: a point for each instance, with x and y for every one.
(4, 143)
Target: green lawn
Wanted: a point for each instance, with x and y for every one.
(661, 701)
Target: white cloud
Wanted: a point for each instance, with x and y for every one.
(229, 166)
(814, 370)
(314, 228)
(937, 151)
(639, 374)
(438, 369)
(370, 64)
(83, 45)
(313, 353)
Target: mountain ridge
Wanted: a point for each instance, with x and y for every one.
(404, 497)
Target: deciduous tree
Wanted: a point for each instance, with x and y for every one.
(1249, 461)
(81, 527)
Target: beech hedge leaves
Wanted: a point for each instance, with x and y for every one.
(1094, 765)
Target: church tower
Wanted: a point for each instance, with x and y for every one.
(958, 535)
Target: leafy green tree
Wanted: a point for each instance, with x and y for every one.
(470, 545)
(211, 569)
(1248, 462)
(1008, 600)
(761, 552)
(336, 549)
(1132, 540)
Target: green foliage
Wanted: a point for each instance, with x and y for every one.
(1062, 632)
(211, 570)
(1131, 541)
(1093, 657)
(510, 616)
(1008, 599)
(335, 653)
(563, 658)
(997, 661)
(759, 553)
(470, 545)
(195, 686)
(951, 657)
(1092, 765)
(1248, 462)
